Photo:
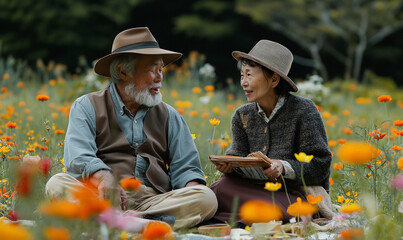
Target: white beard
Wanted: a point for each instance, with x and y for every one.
(144, 97)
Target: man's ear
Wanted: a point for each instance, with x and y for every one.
(122, 74)
(275, 79)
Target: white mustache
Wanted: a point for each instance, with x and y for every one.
(155, 85)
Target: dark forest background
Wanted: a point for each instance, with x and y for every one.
(336, 39)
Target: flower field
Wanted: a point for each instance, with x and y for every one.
(364, 123)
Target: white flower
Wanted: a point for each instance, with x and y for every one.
(207, 71)
(205, 99)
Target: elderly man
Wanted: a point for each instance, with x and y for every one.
(126, 130)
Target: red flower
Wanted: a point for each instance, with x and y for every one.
(384, 98)
(376, 134)
(45, 164)
(13, 216)
(398, 123)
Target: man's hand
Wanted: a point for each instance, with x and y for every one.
(224, 167)
(104, 181)
(275, 170)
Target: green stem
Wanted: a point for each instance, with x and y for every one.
(285, 188)
(303, 180)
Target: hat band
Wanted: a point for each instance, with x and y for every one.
(140, 45)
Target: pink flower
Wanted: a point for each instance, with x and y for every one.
(127, 221)
(397, 181)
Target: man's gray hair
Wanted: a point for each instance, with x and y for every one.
(126, 62)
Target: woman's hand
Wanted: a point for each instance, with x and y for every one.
(275, 170)
(224, 167)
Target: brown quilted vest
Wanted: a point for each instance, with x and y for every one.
(115, 151)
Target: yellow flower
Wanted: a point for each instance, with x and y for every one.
(272, 186)
(13, 231)
(302, 157)
(259, 211)
(400, 163)
(301, 208)
(124, 235)
(194, 136)
(214, 121)
(357, 152)
(350, 208)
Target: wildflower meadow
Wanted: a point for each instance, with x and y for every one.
(364, 124)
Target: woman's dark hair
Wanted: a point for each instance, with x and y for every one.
(282, 87)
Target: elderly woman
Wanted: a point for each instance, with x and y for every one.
(276, 124)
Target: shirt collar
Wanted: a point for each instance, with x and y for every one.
(279, 104)
(117, 101)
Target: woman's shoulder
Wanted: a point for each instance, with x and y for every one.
(246, 108)
(299, 101)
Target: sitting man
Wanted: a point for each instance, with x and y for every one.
(126, 130)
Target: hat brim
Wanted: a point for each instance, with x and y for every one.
(239, 55)
(102, 65)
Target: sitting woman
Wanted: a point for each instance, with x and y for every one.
(277, 124)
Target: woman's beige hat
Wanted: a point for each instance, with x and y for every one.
(273, 56)
(135, 40)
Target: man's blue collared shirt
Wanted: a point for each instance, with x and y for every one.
(80, 148)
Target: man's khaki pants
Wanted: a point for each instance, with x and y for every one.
(189, 205)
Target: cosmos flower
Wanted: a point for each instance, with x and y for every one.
(301, 208)
(254, 211)
(302, 157)
(384, 98)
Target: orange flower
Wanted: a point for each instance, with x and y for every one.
(357, 152)
(259, 211)
(193, 113)
(350, 208)
(301, 208)
(314, 200)
(13, 231)
(363, 100)
(20, 84)
(348, 130)
(352, 233)
(196, 90)
(60, 208)
(376, 134)
(209, 88)
(42, 97)
(130, 183)
(59, 132)
(3, 90)
(332, 143)
(346, 113)
(214, 121)
(205, 115)
(319, 108)
(331, 181)
(398, 123)
(6, 76)
(341, 140)
(180, 110)
(230, 107)
(53, 233)
(384, 98)
(400, 163)
(11, 124)
(338, 166)
(157, 230)
(396, 148)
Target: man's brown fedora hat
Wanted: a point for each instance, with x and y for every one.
(273, 56)
(135, 40)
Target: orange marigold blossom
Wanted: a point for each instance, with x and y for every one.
(357, 152)
(347, 131)
(254, 211)
(20, 84)
(52, 233)
(352, 233)
(209, 88)
(302, 157)
(130, 183)
(400, 163)
(301, 208)
(59, 132)
(60, 208)
(42, 97)
(338, 166)
(272, 186)
(14, 231)
(398, 123)
(214, 121)
(6, 76)
(11, 124)
(157, 230)
(350, 208)
(314, 200)
(376, 134)
(196, 90)
(3, 90)
(363, 100)
(332, 143)
(331, 182)
(396, 148)
(384, 98)
(341, 140)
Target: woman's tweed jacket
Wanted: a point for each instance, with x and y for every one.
(296, 127)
